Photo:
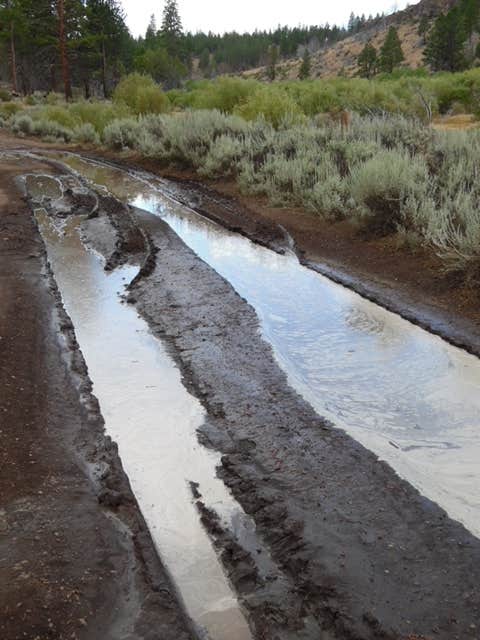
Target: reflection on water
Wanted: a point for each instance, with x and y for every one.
(152, 417)
(405, 394)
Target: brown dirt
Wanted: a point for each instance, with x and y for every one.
(76, 559)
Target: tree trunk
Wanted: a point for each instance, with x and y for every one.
(13, 54)
(63, 50)
(86, 84)
(104, 70)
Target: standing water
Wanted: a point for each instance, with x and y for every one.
(152, 417)
(405, 394)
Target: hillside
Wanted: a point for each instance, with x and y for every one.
(340, 58)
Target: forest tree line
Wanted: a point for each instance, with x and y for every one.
(50, 45)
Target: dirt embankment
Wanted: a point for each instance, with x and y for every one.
(367, 556)
(76, 559)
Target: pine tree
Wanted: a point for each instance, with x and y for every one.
(391, 54)
(172, 30)
(105, 32)
(445, 50)
(10, 17)
(305, 68)
(151, 33)
(367, 61)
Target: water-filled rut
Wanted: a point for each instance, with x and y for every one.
(405, 394)
(151, 416)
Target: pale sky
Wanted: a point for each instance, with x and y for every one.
(247, 15)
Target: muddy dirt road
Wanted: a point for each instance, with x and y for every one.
(357, 552)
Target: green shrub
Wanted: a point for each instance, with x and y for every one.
(23, 124)
(5, 95)
(121, 134)
(223, 94)
(86, 133)
(275, 106)
(52, 131)
(8, 109)
(185, 139)
(61, 115)
(98, 114)
(141, 94)
(382, 186)
(223, 158)
(54, 98)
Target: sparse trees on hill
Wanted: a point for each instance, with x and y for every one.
(391, 53)
(368, 61)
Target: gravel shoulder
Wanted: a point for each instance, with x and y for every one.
(76, 558)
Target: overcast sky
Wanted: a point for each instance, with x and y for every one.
(248, 15)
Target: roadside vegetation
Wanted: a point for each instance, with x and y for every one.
(388, 173)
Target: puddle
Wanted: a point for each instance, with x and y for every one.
(152, 417)
(405, 394)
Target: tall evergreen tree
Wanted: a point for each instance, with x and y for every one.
(367, 61)
(151, 33)
(172, 30)
(391, 53)
(105, 31)
(11, 18)
(445, 50)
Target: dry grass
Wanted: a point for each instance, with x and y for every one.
(461, 122)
